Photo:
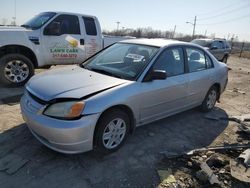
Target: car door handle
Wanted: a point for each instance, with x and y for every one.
(81, 41)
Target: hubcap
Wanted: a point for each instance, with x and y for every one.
(211, 99)
(114, 133)
(16, 71)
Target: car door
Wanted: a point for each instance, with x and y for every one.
(62, 40)
(163, 97)
(200, 68)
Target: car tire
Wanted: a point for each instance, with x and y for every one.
(112, 131)
(210, 99)
(224, 60)
(15, 69)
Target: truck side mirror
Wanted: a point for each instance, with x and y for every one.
(53, 28)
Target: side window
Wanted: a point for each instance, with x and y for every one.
(218, 44)
(172, 61)
(90, 26)
(63, 24)
(196, 59)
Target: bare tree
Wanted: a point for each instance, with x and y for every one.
(149, 32)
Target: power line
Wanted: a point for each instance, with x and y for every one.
(229, 20)
(225, 12)
(219, 9)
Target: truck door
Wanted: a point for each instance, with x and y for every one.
(93, 38)
(62, 41)
(217, 49)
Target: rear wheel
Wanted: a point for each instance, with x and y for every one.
(15, 69)
(210, 99)
(112, 131)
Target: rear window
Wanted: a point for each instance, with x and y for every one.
(90, 26)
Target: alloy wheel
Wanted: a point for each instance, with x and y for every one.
(16, 71)
(114, 133)
(211, 99)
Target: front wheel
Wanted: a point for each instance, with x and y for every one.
(224, 60)
(15, 69)
(112, 131)
(210, 99)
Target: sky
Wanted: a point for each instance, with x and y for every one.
(223, 18)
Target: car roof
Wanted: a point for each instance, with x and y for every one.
(154, 42)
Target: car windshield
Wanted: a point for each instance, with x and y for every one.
(122, 60)
(39, 20)
(204, 43)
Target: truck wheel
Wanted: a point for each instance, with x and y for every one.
(224, 60)
(15, 70)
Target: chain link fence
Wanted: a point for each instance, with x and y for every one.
(240, 49)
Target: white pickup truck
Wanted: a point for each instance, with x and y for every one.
(49, 38)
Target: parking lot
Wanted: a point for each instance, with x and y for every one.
(24, 162)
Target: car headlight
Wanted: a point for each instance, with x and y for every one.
(65, 110)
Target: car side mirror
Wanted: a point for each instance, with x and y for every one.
(214, 48)
(155, 75)
(53, 29)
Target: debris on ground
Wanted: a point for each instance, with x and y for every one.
(218, 170)
(239, 171)
(245, 157)
(220, 166)
(236, 90)
(241, 120)
(211, 177)
(166, 177)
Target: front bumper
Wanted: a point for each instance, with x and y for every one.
(65, 136)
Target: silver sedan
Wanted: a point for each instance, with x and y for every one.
(97, 104)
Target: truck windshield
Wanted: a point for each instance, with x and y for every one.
(122, 60)
(39, 20)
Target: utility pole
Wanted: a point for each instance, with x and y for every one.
(205, 34)
(118, 25)
(14, 18)
(174, 32)
(194, 26)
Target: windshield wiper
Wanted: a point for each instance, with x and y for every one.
(103, 72)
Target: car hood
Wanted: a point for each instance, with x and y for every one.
(70, 82)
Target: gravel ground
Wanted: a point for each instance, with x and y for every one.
(24, 162)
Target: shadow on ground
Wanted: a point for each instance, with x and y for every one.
(134, 165)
